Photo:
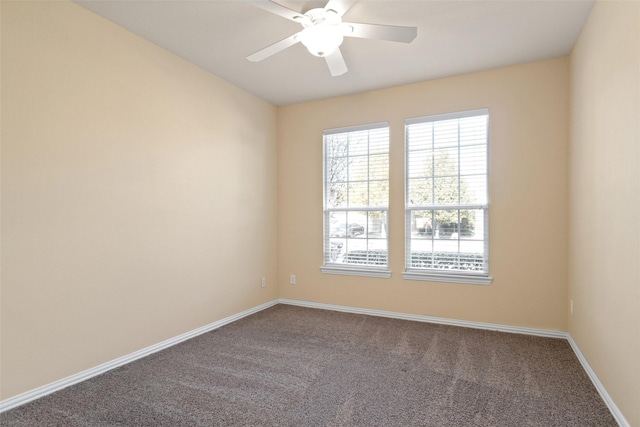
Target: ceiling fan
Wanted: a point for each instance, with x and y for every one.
(323, 32)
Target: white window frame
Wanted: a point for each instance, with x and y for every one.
(329, 266)
(442, 275)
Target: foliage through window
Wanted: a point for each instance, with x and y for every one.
(446, 197)
(356, 199)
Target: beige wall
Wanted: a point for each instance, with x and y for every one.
(604, 272)
(137, 195)
(528, 197)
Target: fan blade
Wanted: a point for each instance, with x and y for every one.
(274, 48)
(273, 7)
(336, 63)
(340, 6)
(380, 32)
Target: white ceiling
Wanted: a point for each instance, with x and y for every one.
(454, 37)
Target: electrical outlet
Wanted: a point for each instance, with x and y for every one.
(263, 282)
(292, 279)
(571, 306)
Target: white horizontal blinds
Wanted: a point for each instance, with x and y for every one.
(356, 191)
(447, 192)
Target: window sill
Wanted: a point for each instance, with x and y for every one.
(471, 279)
(356, 271)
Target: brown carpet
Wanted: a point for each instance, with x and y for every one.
(293, 366)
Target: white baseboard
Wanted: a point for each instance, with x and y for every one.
(428, 319)
(613, 408)
(39, 392)
(615, 411)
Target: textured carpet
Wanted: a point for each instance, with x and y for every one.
(293, 366)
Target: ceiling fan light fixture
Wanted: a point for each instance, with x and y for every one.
(322, 40)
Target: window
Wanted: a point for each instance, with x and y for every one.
(446, 198)
(356, 200)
